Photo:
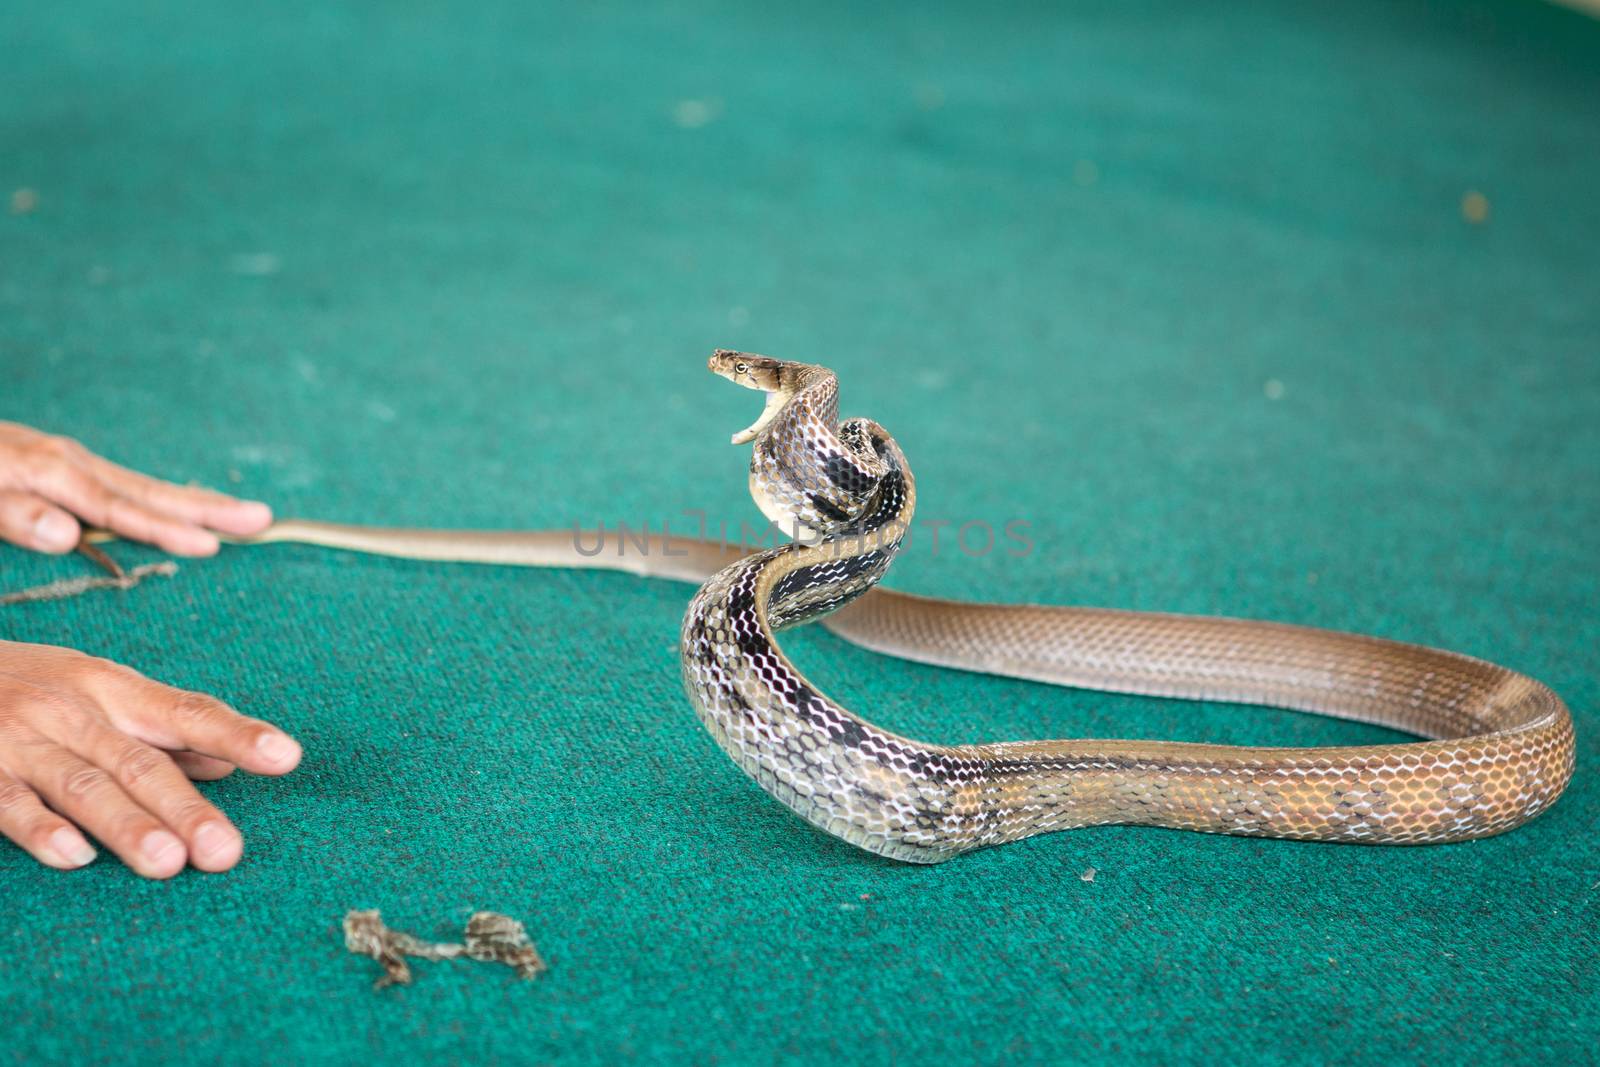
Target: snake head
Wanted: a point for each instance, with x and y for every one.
(770, 376)
(748, 369)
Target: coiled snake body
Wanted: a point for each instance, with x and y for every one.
(1501, 747)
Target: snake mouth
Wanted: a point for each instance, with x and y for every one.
(762, 373)
(775, 403)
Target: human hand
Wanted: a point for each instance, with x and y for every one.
(87, 741)
(49, 483)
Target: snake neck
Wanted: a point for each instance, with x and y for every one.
(807, 579)
(812, 476)
(842, 490)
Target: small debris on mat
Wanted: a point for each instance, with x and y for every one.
(365, 934)
(490, 937)
(1088, 874)
(96, 555)
(70, 587)
(497, 938)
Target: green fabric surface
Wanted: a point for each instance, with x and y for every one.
(1189, 288)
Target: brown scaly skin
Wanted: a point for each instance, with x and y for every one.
(1504, 750)
(1500, 748)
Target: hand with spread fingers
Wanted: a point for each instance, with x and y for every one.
(51, 486)
(88, 742)
(87, 745)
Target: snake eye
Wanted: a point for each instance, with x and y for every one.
(741, 368)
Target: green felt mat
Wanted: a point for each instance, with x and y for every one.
(1192, 289)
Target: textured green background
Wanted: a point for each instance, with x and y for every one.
(405, 264)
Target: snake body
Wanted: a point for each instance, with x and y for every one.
(1499, 746)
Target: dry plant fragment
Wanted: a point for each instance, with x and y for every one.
(70, 587)
(365, 934)
(116, 578)
(501, 939)
(490, 936)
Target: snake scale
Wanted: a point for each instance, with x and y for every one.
(1499, 750)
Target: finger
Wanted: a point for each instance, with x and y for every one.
(201, 768)
(73, 487)
(91, 798)
(48, 837)
(180, 719)
(203, 507)
(156, 784)
(31, 521)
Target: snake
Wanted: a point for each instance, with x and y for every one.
(1496, 748)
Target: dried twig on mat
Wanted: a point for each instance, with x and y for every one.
(490, 936)
(96, 555)
(69, 587)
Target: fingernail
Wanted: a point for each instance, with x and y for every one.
(71, 847)
(160, 847)
(204, 543)
(276, 748)
(255, 511)
(212, 838)
(54, 530)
